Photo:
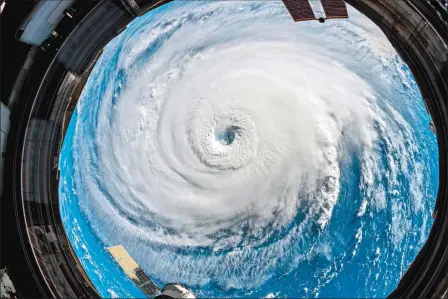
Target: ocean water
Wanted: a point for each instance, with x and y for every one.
(244, 155)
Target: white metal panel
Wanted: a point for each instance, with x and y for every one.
(42, 20)
(4, 122)
(4, 117)
(58, 12)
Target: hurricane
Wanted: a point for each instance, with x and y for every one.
(242, 154)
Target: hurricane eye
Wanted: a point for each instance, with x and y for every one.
(227, 135)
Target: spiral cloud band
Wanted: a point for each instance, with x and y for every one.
(214, 141)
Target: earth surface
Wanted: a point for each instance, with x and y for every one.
(244, 155)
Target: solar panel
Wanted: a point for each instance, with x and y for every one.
(300, 10)
(334, 9)
(133, 271)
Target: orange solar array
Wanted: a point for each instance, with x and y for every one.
(334, 9)
(300, 10)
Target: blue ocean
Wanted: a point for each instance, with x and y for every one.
(325, 189)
